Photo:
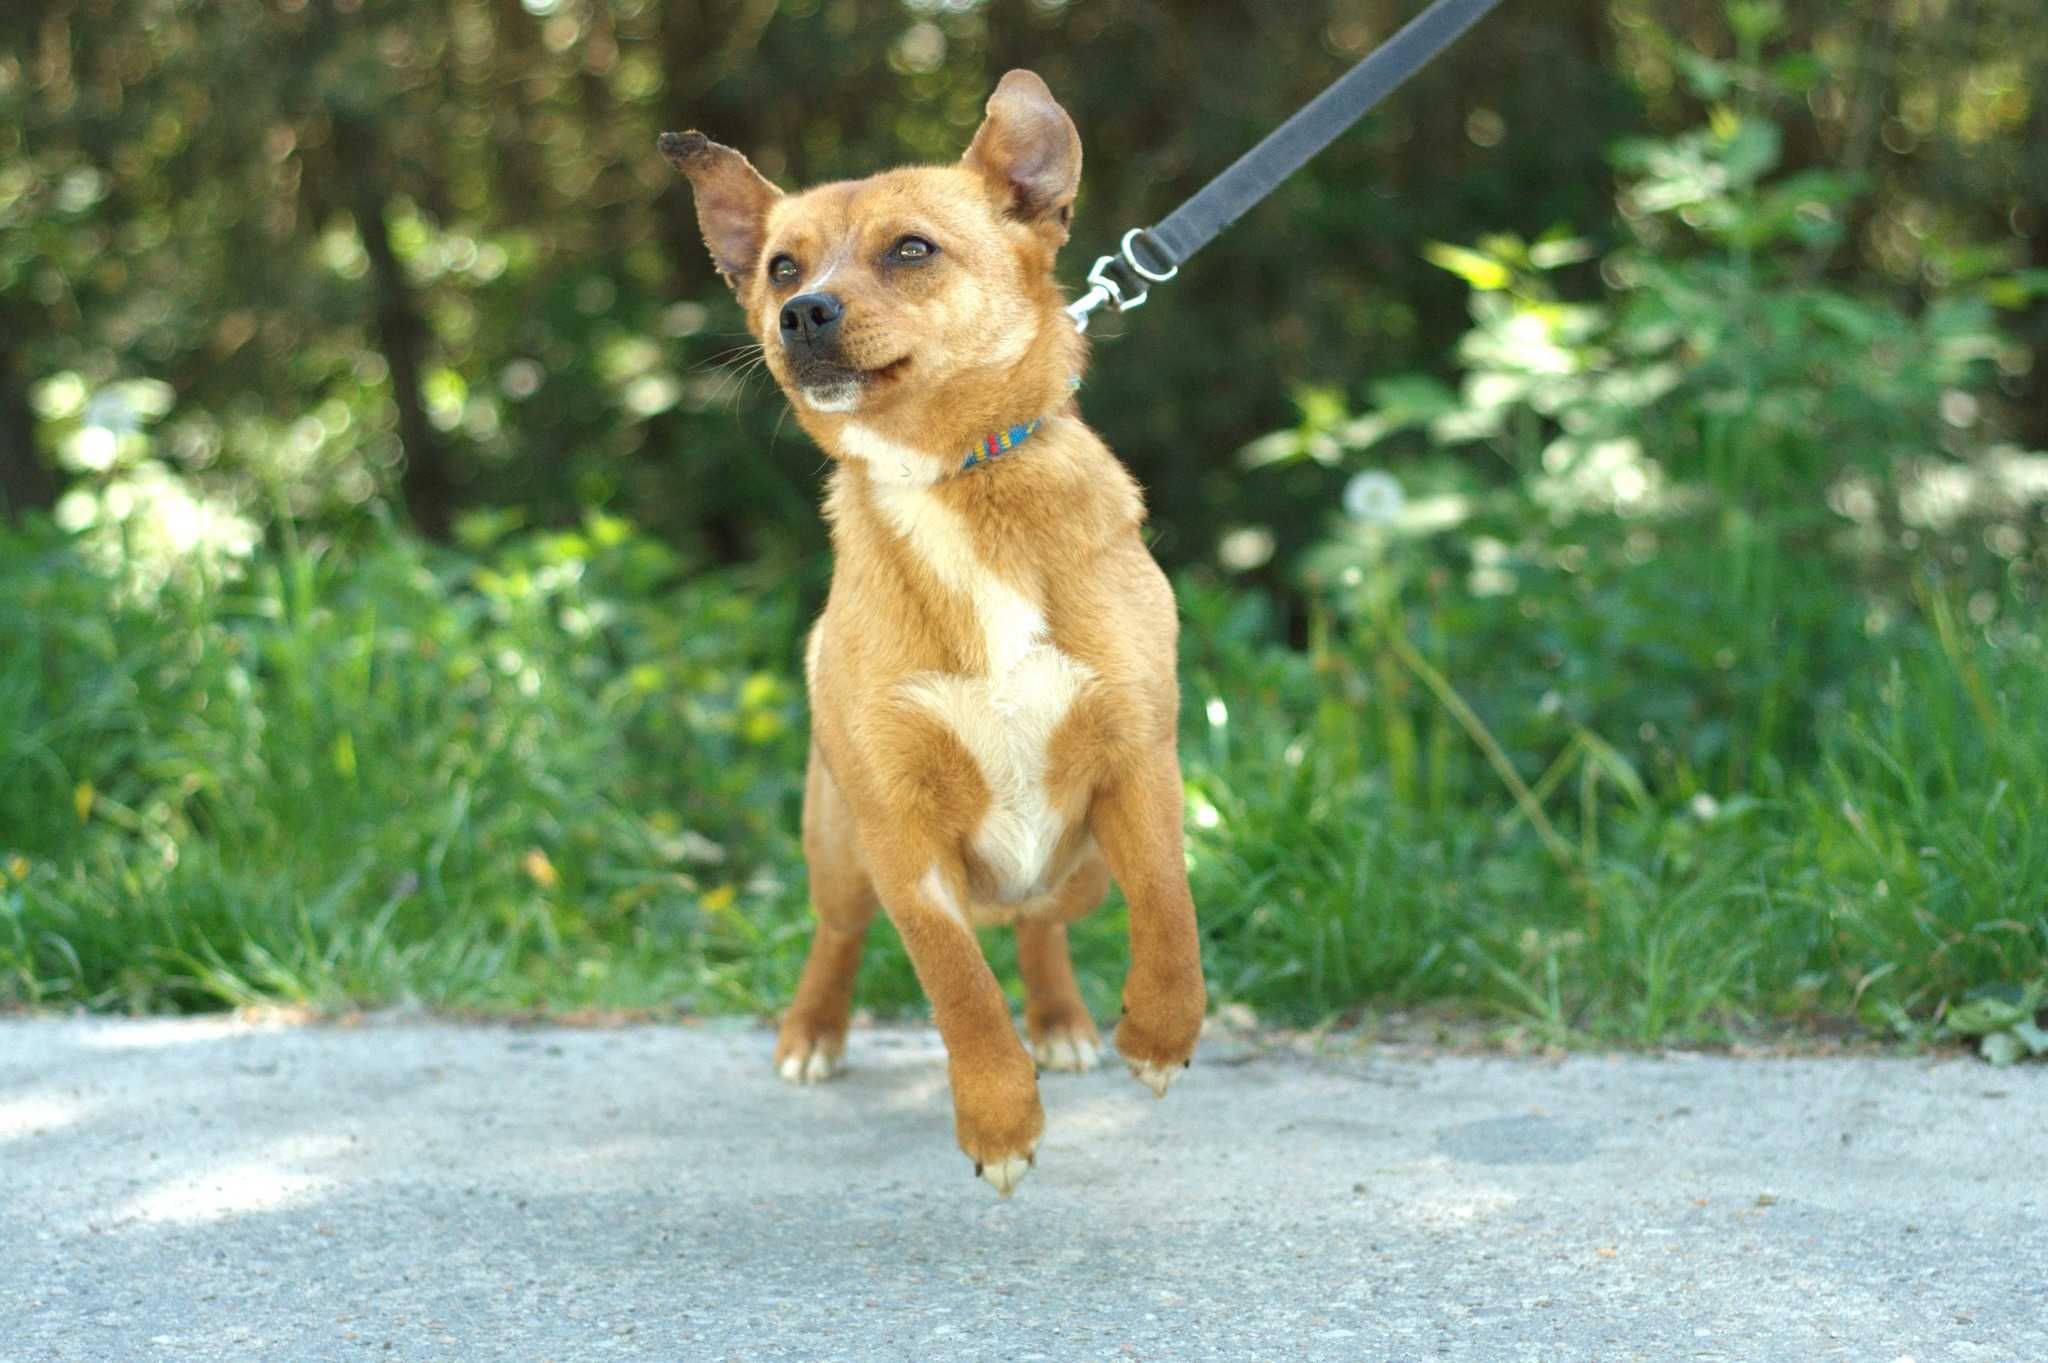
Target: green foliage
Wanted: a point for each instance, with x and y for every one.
(1674, 670)
(550, 775)
(193, 195)
(2008, 1024)
(1702, 488)
(1719, 500)
(393, 772)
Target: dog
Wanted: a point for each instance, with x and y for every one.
(992, 690)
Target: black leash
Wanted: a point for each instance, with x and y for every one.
(1259, 171)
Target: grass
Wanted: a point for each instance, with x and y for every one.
(540, 774)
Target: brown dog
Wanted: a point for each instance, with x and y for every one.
(992, 681)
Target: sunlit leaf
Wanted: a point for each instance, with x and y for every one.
(1481, 272)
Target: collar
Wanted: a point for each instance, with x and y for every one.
(998, 443)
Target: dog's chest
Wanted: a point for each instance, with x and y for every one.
(1005, 718)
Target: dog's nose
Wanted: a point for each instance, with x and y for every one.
(811, 317)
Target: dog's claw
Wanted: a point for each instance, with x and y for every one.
(1154, 1077)
(1076, 1054)
(809, 1065)
(1004, 1174)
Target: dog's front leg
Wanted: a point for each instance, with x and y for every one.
(996, 1114)
(1137, 822)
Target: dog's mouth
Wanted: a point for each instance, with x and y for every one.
(839, 388)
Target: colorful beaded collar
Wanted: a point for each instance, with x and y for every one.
(999, 443)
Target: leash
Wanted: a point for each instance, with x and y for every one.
(1259, 171)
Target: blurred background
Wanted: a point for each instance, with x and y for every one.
(1604, 491)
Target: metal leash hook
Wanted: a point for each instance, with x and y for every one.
(1103, 287)
(1286, 149)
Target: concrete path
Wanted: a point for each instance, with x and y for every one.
(198, 1190)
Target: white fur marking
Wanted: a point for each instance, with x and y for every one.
(837, 397)
(813, 646)
(934, 888)
(890, 462)
(812, 1065)
(1006, 718)
(1005, 1174)
(831, 267)
(1076, 1054)
(1154, 1077)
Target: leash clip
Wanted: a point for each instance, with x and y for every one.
(1104, 287)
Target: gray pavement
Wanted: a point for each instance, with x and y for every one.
(212, 1189)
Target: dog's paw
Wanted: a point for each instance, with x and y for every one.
(998, 1120)
(1157, 1036)
(802, 1058)
(1074, 1047)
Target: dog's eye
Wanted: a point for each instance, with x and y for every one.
(913, 248)
(782, 270)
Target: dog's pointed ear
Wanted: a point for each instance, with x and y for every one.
(1028, 151)
(732, 200)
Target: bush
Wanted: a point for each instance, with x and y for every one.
(368, 774)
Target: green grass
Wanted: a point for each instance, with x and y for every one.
(542, 775)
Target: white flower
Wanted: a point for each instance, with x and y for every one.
(1373, 497)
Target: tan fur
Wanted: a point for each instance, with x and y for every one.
(992, 680)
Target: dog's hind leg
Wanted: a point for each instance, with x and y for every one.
(812, 1040)
(1063, 1036)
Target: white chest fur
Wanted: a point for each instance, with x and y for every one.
(1007, 717)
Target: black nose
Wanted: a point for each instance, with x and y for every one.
(811, 318)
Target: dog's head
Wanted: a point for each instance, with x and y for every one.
(912, 291)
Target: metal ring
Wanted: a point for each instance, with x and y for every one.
(1100, 276)
(1131, 258)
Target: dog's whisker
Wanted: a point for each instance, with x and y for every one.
(736, 355)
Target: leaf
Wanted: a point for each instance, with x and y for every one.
(2018, 290)
(2001, 1048)
(1751, 151)
(1275, 447)
(1984, 1016)
(1412, 395)
(1799, 73)
(1550, 254)
(2033, 1036)
(1399, 403)
(480, 529)
(1481, 272)
(1755, 20)
(1708, 78)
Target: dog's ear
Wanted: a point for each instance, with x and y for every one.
(732, 200)
(1029, 152)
